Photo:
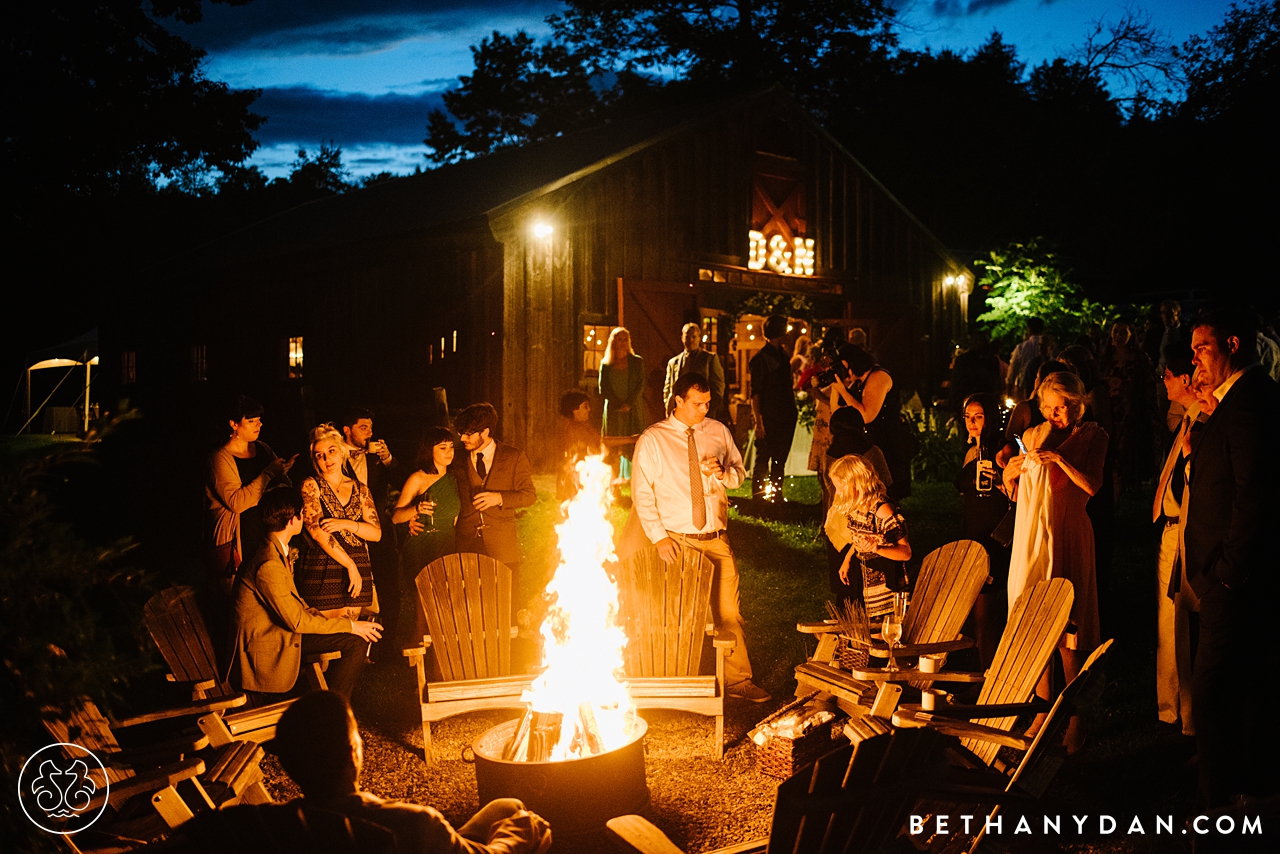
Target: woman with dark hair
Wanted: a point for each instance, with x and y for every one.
(239, 474)
(984, 505)
(871, 391)
(428, 509)
(578, 439)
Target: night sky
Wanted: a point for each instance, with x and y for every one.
(366, 74)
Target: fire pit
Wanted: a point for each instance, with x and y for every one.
(575, 795)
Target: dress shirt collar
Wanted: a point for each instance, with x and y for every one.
(1221, 391)
(487, 453)
(359, 460)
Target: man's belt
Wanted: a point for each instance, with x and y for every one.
(710, 536)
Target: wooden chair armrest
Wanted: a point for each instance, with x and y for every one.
(820, 628)
(193, 709)
(155, 754)
(202, 685)
(929, 648)
(959, 728)
(633, 833)
(962, 711)
(323, 657)
(724, 640)
(151, 781)
(906, 674)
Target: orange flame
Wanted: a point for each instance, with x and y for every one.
(583, 635)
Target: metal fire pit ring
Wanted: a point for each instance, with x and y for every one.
(575, 796)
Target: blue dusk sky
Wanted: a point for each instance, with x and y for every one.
(366, 74)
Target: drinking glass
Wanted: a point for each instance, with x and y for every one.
(892, 629)
(427, 508)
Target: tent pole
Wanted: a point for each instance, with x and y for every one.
(87, 368)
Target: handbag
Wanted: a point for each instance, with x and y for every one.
(1002, 533)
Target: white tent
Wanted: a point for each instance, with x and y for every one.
(69, 354)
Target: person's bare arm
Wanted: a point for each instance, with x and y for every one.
(873, 395)
(406, 508)
(313, 520)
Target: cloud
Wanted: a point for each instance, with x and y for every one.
(301, 113)
(960, 9)
(340, 28)
(276, 161)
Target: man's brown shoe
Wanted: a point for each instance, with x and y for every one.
(749, 691)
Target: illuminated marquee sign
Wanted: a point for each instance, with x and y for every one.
(789, 259)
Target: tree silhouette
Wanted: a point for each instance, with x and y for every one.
(101, 98)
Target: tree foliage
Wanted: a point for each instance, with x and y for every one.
(1024, 280)
(1233, 71)
(322, 174)
(101, 98)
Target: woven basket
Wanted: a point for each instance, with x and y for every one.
(851, 656)
(781, 757)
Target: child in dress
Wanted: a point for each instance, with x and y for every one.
(870, 533)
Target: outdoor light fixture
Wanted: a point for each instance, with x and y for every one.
(542, 230)
(1008, 403)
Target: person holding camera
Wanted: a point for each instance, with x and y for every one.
(858, 381)
(984, 507)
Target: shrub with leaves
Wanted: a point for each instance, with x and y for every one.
(1024, 280)
(70, 610)
(941, 447)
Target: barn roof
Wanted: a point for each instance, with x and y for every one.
(473, 189)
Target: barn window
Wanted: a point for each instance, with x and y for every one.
(129, 367)
(594, 340)
(295, 358)
(199, 362)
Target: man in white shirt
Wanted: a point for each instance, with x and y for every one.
(682, 469)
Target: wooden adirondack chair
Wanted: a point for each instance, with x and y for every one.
(177, 782)
(664, 609)
(1031, 635)
(951, 578)
(276, 828)
(467, 600)
(1044, 754)
(856, 799)
(177, 625)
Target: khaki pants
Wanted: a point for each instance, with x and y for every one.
(725, 610)
(1173, 639)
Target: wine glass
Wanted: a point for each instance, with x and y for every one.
(892, 633)
(427, 507)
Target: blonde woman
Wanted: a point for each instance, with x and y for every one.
(868, 537)
(1053, 537)
(340, 519)
(622, 387)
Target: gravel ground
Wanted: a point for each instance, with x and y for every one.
(698, 801)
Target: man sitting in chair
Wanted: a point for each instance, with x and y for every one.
(321, 749)
(273, 629)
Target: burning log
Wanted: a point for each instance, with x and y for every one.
(545, 736)
(518, 747)
(587, 740)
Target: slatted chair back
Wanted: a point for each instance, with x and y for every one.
(177, 625)
(1031, 635)
(467, 599)
(664, 609)
(272, 828)
(1047, 752)
(858, 798)
(951, 577)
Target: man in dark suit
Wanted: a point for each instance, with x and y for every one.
(1230, 535)
(773, 408)
(273, 628)
(695, 360)
(494, 481)
(372, 464)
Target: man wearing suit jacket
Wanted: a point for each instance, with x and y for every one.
(494, 481)
(273, 628)
(695, 360)
(372, 464)
(1230, 535)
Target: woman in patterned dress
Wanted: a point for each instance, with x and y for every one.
(340, 519)
(870, 531)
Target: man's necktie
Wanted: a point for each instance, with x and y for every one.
(481, 468)
(695, 484)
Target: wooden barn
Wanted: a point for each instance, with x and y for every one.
(498, 278)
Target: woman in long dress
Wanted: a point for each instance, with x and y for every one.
(239, 474)
(878, 401)
(428, 509)
(622, 387)
(1053, 537)
(339, 517)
